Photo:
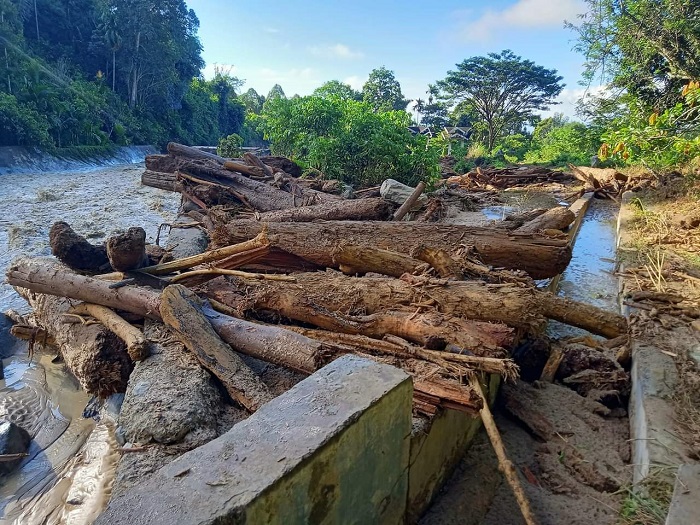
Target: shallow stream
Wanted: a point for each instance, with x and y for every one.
(68, 475)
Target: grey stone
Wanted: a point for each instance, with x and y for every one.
(397, 193)
(685, 504)
(334, 448)
(185, 242)
(13, 440)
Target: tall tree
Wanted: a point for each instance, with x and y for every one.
(648, 48)
(502, 90)
(335, 88)
(383, 92)
(276, 92)
(252, 101)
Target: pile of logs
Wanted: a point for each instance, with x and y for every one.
(489, 179)
(297, 277)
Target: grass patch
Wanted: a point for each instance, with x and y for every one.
(648, 502)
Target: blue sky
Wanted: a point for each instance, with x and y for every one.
(301, 44)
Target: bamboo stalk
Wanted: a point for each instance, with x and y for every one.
(504, 464)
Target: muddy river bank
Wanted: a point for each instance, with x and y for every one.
(68, 475)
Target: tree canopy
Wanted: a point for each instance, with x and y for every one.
(501, 90)
(335, 88)
(383, 92)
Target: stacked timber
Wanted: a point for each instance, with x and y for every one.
(488, 178)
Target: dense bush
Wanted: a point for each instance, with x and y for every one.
(230, 146)
(21, 125)
(560, 143)
(346, 140)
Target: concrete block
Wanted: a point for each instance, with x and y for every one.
(685, 504)
(333, 449)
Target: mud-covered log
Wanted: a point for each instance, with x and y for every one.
(245, 169)
(342, 210)
(253, 160)
(432, 329)
(555, 219)
(127, 250)
(511, 304)
(539, 256)
(161, 180)
(95, 356)
(161, 163)
(75, 251)
(180, 308)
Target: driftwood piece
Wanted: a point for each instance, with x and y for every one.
(539, 256)
(136, 343)
(555, 219)
(282, 164)
(180, 308)
(255, 161)
(375, 209)
(552, 364)
(410, 202)
(75, 251)
(127, 250)
(245, 169)
(504, 464)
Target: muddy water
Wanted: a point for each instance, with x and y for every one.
(68, 475)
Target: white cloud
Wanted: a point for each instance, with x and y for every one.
(335, 51)
(355, 82)
(527, 14)
(210, 69)
(569, 98)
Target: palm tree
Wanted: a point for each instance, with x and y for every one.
(113, 40)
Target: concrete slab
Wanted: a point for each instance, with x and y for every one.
(333, 449)
(685, 505)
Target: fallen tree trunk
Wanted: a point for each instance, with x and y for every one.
(432, 329)
(555, 219)
(539, 256)
(95, 356)
(161, 180)
(510, 304)
(342, 210)
(188, 152)
(166, 164)
(180, 308)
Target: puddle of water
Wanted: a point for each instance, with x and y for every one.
(67, 477)
(590, 277)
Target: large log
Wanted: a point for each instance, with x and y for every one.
(283, 164)
(180, 150)
(95, 356)
(127, 250)
(539, 256)
(342, 210)
(180, 308)
(510, 304)
(258, 195)
(161, 163)
(161, 180)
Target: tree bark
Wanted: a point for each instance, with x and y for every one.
(180, 308)
(555, 219)
(188, 152)
(539, 256)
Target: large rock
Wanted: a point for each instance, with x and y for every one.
(13, 440)
(397, 193)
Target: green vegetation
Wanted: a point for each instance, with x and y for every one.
(348, 140)
(104, 72)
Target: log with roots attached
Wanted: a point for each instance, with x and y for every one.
(539, 256)
(95, 356)
(510, 304)
(269, 343)
(181, 309)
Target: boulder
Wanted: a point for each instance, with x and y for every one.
(13, 440)
(397, 193)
